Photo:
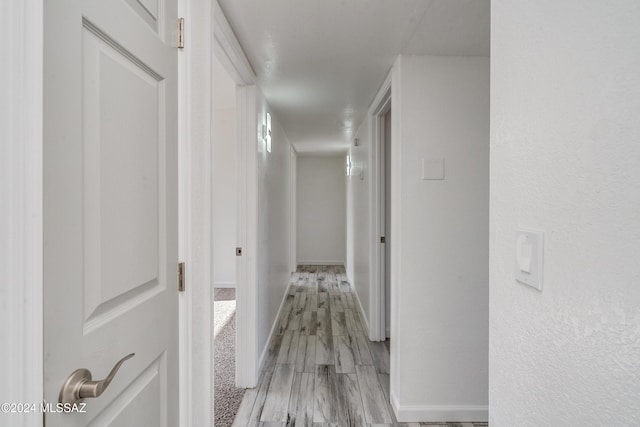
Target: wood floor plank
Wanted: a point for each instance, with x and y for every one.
(296, 297)
(352, 325)
(358, 318)
(344, 300)
(362, 352)
(335, 302)
(322, 286)
(288, 303)
(351, 301)
(276, 404)
(312, 302)
(384, 381)
(344, 354)
(349, 392)
(272, 353)
(327, 405)
(323, 321)
(373, 399)
(293, 399)
(258, 406)
(344, 284)
(310, 355)
(302, 301)
(380, 356)
(324, 349)
(302, 353)
(295, 319)
(323, 300)
(338, 323)
(302, 400)
(243, 414)
(289, 348)
(283, 323)
(309, 323)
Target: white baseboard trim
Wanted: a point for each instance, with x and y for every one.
(224, 284)
(321, 263)
(362, 316)
(439, 413)
(263, 354)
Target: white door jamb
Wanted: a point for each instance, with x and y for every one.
(21, 210)
(195, 175)
(379, 106)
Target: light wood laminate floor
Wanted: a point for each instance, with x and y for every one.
(321, 368)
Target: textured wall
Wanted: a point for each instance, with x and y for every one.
(274, 217)
(565, 159)
(440, 245)
(360, 214)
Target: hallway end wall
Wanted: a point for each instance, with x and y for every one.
(565, 96)
(321, 210)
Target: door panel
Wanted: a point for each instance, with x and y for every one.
(111, 207)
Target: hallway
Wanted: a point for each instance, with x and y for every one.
(321, 369)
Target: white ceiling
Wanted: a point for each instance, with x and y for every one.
(321, 62)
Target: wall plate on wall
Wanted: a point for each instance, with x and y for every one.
(529, 257)
(433, 168)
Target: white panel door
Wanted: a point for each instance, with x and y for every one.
(111, 217)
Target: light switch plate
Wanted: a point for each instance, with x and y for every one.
(529, 257)
(433, 168)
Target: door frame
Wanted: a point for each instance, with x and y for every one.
(22, 214)
(293, 200)
(380, 105)
(229, 53)
(195, 92)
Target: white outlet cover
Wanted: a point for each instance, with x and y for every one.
(529, 258)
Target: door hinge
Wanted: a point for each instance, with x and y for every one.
(382, 239)
(181, 277)
(180, 33)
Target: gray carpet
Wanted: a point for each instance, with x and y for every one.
(227, 397)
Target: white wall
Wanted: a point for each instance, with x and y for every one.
(321, 200)
(440, 245)
(359, 218)
(565, 159)
(274, 217)
(224, 178)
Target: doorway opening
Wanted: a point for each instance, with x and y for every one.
(381, 238)
(227, 396)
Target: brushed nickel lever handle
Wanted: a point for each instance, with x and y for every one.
(79, 384)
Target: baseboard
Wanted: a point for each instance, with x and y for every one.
(439, 413)
(263, 354)
(224, 284)
(362, 316)
(321, 263)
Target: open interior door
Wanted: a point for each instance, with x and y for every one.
(111, 211)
